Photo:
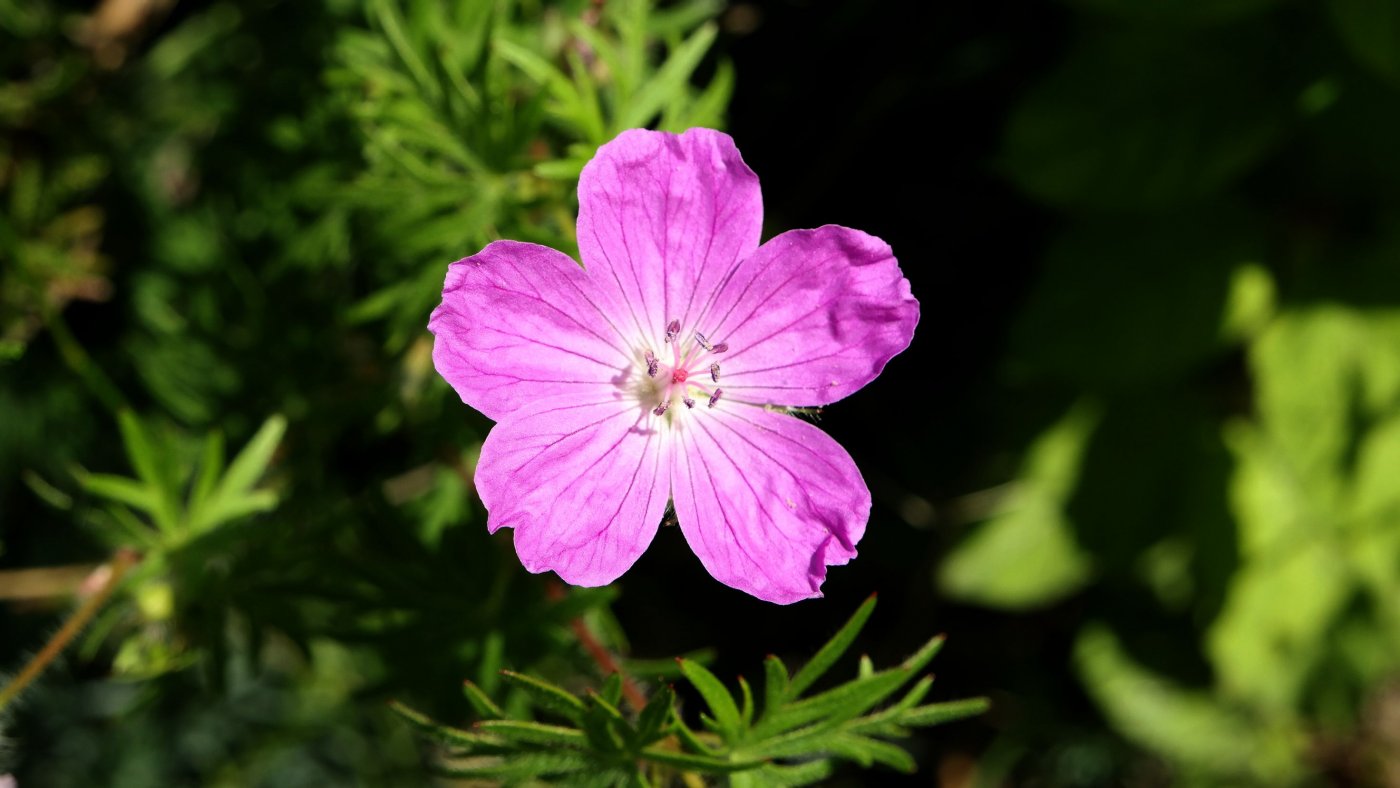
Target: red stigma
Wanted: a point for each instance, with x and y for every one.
(679, 376)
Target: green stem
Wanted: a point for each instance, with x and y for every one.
(121, 562)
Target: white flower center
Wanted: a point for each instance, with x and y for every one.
(692, 372)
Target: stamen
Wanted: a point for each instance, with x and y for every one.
(714, 372)
(689, 403)
(673, 329)
(720, 348)
(715, 397)
(704, 343)
(660, 410)
(652, 364)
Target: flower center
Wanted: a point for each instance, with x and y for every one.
(678, 379)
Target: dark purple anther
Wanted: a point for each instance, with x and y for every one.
(714, 372)
(715, 397)
(673, 329)
(652, 363)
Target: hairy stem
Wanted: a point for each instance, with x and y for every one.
(121, 562)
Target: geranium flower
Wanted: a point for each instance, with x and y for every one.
(660, 372)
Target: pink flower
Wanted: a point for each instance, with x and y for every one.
(660, 372)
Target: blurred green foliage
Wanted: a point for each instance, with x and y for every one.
(1220, 499)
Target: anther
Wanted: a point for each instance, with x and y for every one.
(689, 403)
(660, 410)
(715, 397)
(704, 343)
(720, 348)
(673, 329)
(714, 372)
(652, 363)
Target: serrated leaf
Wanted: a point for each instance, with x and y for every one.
(721, 703)
(546, 695)
(827, 655)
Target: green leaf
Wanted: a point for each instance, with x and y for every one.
(829, 708)
(702, 763)
(775, 682)
(746, 710)
(652, 719)
(719, 700)
(939, 713)
(442, 733)
(521, 765)
(534, 733)
(670, 80)
(867, 751)
(831, 651)
(481, 702)
(151, 469)
(211, 465)
(120, 489)
(232, 496)
(547, 696)
(1026, 555)
(386, 13)
(1191, 727)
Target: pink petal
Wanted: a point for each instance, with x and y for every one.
(662, 218)
(811, 317)
(581, 480)
(520, 322)
(767, 501)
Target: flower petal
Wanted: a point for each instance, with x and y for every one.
(811, 317)
(662, 218)
(582, 481)
(767, 501)
(520, 322)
